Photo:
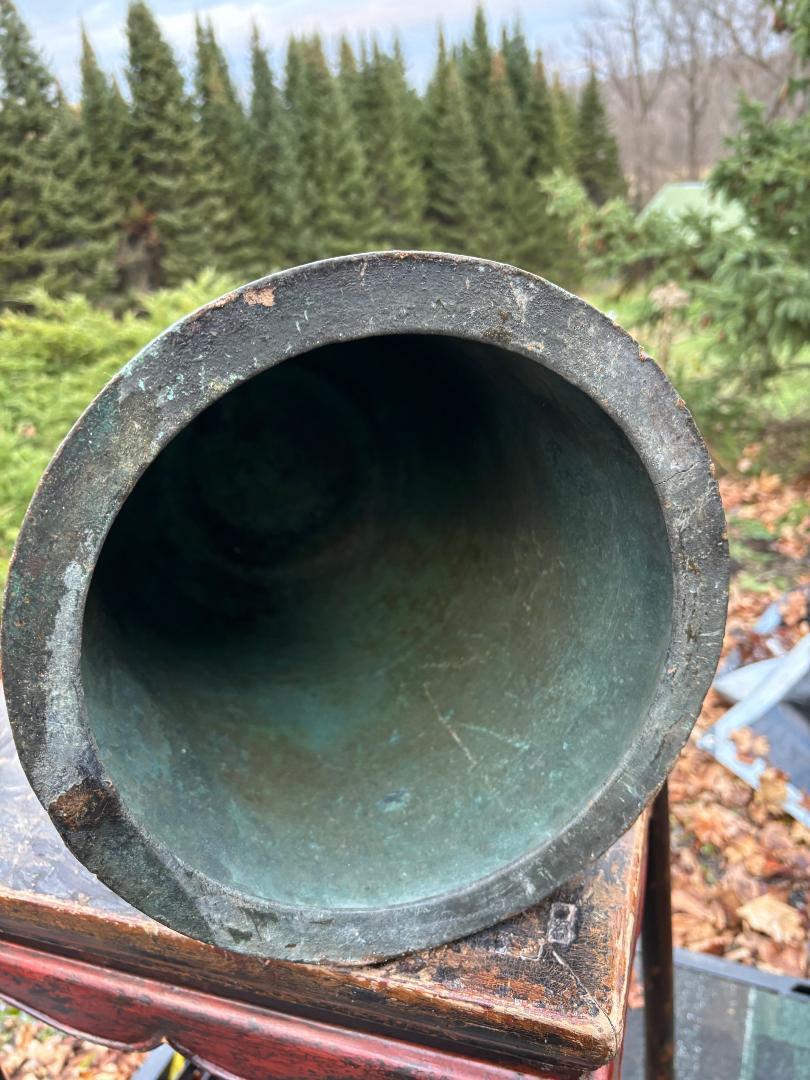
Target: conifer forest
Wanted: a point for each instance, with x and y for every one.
(142, 186)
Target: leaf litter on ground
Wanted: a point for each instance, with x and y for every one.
(740, 865)
(31, 1050)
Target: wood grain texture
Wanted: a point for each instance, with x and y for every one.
(547, 987)
(239, 1041)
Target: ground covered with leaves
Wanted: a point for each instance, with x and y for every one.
(30, 1050)
(740, 866)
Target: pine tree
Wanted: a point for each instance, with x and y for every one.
(476, 66)
(297, 99)
(168, 238)
(543, 153)
(597, 160)
(515, 52)
(104, 119)
(29, 109)
(78, 222)
(358, 82)
(295, 83)
(236, 247)
(397, 182)
(281, 214)
(515, 220)
(336, 188)
(558, 259)
(456, 210)
(350, 75)
(759, 293)
(564, 113)
(414, 105)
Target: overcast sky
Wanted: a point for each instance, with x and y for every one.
(550, 24)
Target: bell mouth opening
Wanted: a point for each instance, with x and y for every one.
(377, 623)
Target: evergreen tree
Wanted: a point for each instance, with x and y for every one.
(514, 217)
(475, 63)
(564, 113)
(236, 247)
(281, 214)
(558, 259)
(351, 75)
(78, 223)
(338, 161)
(167, 232)
(295, 83)
(414, 105)
(358, 85)
(759, 293)
(539, 119)
(29, 109)
(297, 97)
(104, 119)
(337, 192)
(397, 182)
(597, 160)
(456, 177)
(515, 52)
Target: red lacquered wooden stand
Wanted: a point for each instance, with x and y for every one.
(542, 995)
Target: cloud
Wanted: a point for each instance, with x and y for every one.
(546, 23)
(277, 21)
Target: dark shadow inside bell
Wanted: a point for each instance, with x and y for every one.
(378, 622)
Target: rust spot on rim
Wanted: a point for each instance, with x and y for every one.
(220, 302)
(83, 806)
(266, 296)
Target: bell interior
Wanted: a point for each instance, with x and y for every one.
(378, 622)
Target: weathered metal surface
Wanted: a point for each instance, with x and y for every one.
(548, 987)
(364, 606)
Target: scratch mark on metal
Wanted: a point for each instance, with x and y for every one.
(519, 744)
(451, 731)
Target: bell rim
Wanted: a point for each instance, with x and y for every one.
(94, 470)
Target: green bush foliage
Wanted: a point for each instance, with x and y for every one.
(55, 355)
(615, 243)
(760, 292)
(740, 294)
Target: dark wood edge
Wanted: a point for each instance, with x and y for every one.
(135, 1013)
(504, 994)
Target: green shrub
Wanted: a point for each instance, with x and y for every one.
(55, 355)
(617, 244)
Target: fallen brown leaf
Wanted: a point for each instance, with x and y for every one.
(749, 744)
(773, 918)
(686, 902)
(736, 887)
(769, 798)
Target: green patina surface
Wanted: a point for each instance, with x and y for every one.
(374, 622)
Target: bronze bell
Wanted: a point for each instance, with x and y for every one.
(364, 606)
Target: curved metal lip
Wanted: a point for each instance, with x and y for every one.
(178, 375)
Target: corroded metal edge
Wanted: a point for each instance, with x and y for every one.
(183, 371)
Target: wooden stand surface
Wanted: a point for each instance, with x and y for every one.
(543, 994)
